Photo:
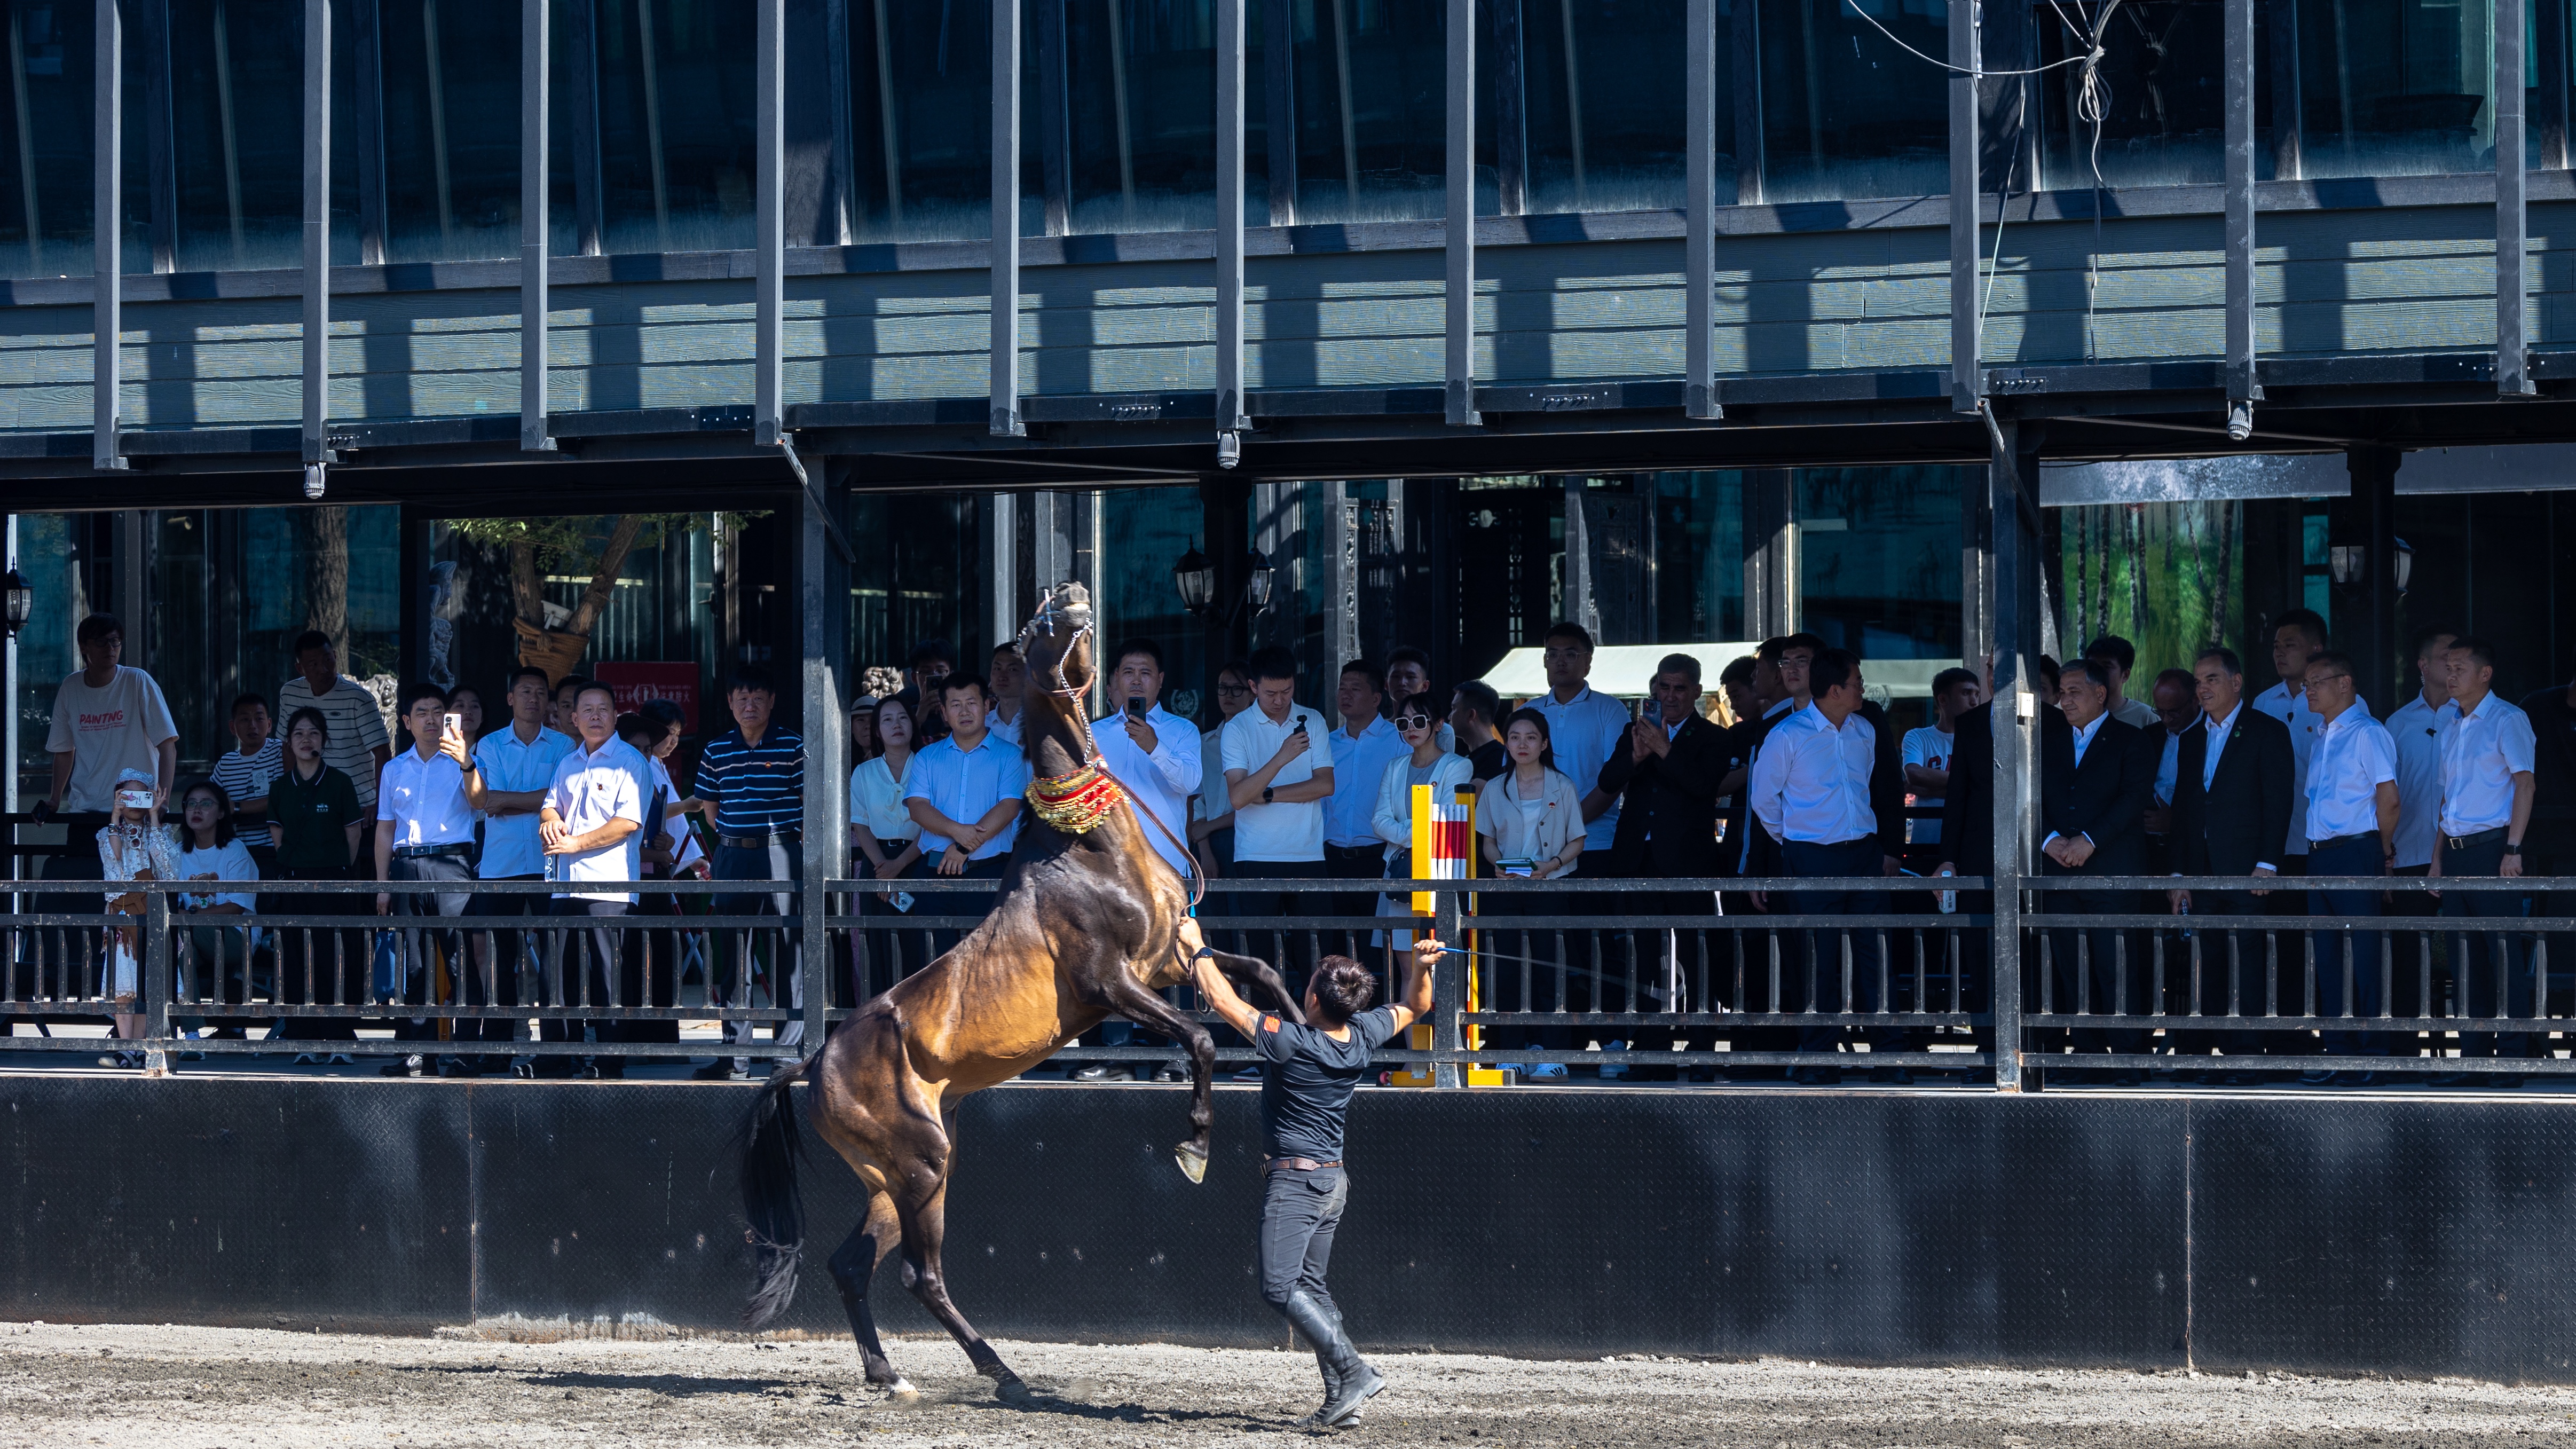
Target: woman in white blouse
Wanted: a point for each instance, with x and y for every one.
(1532, 824)
(1417, 721)
(216, 951)
(884, 833)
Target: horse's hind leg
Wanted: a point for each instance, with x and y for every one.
(925, 1228)
(1131, 999)
(853, 1266)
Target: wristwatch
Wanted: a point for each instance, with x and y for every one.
(1204, 953)
(1265, 794)
(2513, 847)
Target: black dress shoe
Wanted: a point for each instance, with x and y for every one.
(1088, 1072)
(1170, 1073)
(719, 1070)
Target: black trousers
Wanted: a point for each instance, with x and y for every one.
(736, 961)
(2234, 971)
(2352, 857)
(1812, 976)
(318, 966)
(1300, 1212)
(2088, 971)
(581, 969)
(420, 953)
(2489, 966)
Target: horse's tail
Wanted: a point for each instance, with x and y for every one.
(770, 1144)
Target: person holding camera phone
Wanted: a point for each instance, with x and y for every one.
(425, 832)
(1154, 753)
(1278, 774)
(884, 833)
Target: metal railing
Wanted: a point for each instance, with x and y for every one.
(1755, 977)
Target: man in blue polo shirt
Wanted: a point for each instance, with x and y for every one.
(506, 775)
(965, 791)
(751, 784)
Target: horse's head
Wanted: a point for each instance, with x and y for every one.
(1057, 642)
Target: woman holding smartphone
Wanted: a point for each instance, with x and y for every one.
(1532, 823)
(884, 832)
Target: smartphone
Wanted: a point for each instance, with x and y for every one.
(1135, 707)
(902, 900)
(456, 724)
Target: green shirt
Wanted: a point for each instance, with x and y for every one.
(314, 817)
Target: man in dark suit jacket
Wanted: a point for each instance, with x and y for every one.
(1665, 771)
(1968, 822)
(2094, 785)
(2230, 819)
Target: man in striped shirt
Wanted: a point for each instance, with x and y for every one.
(751, 786)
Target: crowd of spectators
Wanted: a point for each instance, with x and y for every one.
(1784, 770)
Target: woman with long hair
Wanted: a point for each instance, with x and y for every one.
(1532, 823)
(886, 836)
(1417, 720)
(313, 819)
(215, 959)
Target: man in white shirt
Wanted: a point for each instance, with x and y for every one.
(506, 776)
(1154, 753)
(107, 719)
(593, 812)
(1583, 727)
(1008, 679)
(1926, 752)
(1362, 748)
(2416, 725)
(2296, 635)
(1810, 790)
(425, 832)
(1278, 774)
(2352, 831)
(2489, 756)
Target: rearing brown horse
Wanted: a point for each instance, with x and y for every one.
(1085, 927)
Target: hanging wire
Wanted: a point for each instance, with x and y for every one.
(1854, 7)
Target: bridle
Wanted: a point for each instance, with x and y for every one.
(1050, 613)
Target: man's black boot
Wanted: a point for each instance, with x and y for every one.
(1332, 1377)
(1355, 1383)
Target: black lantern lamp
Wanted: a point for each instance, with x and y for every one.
(2405, 564)
(2349, 562)
(19, 599)
(1195, 577)
(1256, 580)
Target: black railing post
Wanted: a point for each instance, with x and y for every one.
(156, 983)
(1449, 988)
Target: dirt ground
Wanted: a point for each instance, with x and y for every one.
(142, 1387)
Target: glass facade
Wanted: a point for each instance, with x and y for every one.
(2159, 92)
(451, 77)
(2396, 87)
(676, 103)
(1845, 111)
(1879, 556)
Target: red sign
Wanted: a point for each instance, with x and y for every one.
(638, 683)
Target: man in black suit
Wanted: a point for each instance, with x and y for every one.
(2094, 785)
(1968, 820)
(2230, 816)
(1665, 771)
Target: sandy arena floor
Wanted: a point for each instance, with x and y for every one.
(132, 1387)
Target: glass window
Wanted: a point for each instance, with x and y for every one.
(1142, 92)
(1149, 529)
(45, 213)
(1845, 112)
(920, 88)
(2396, 87)
(237, 118)
(451, 75)
(2161, 85)
(677, 93)
(1879, 560)
(1370, 83)
(919, 575)
(1603, 94)
(1699, 559)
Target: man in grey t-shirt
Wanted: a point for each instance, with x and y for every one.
(1308, 1075)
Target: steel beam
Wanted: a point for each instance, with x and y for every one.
(2012, 479)
(1231, 415)
(1511, 109)
(2513, 238)
(1699, 248)
(1005, 245)
(107, 247)
(1460, 231)
(769, 220)
(1745, 58)
(535, 48)
(1279, 109)
(317, 234)
(1967, 370)
(2237, 51)
(823, 614)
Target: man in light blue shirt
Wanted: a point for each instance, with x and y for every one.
(1362, 749)
(1583, 727)
(966, 789)
(507, 775)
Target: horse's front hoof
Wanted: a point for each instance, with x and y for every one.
(1011, 1391)
(1193, 1160)
(901, 1391)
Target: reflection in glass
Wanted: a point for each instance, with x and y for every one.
(45, 201)
(1369, 86)
(2396, 87)
(1845, 112)
(1603, 86)
(915, 576)
(1879, 559)
(921, 111)
(236, 87)
(677, 147)
(1699, 555)
(1142, 88)
(451, 72)
(1150, 527)
(2160, 91)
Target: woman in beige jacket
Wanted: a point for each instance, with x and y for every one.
(1529, 814)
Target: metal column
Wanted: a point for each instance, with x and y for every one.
(534, 49)
(1511, 109)
(1699, 250)
(769, 221)
(317, 241)
(2513, 357)
(2012, 496)
(107, 313)
(1231, 414)
(1279, 109)
(2237, 17)
(1005, 245)
(823, 614)
(1967, 371)
(1460, 230)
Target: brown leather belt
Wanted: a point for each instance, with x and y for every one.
(1296, 1164)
